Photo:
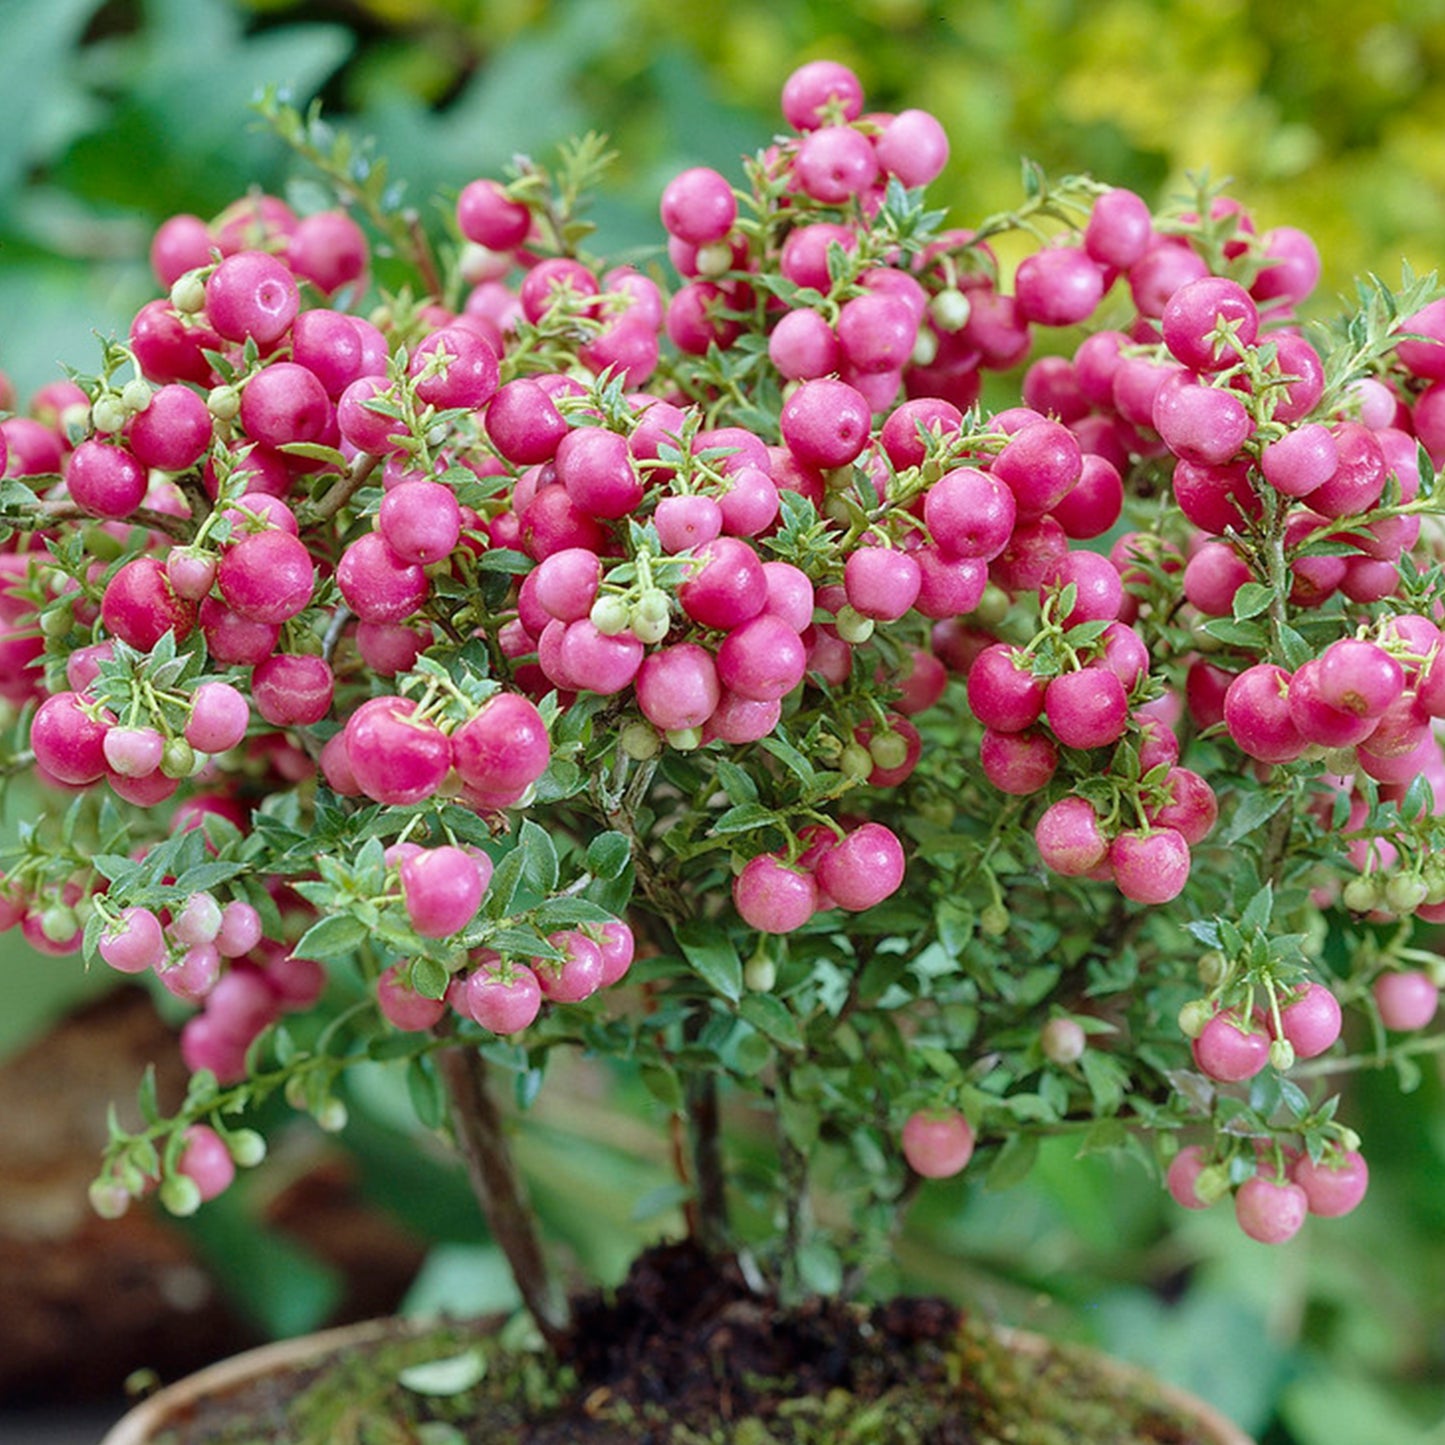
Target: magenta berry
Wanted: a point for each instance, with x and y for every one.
(1333, 1185)
(864, 867)
(774, 897)
(402, 1006)
(1270, 1211)
(266, 577)
(207, 1161)
(442, 890)
(1229, 1051)
(504, 748)
(1182, 1177)
(252, 295)
(1069, 838)
(1150, 867)
(1406, 1000)
(937, 1143)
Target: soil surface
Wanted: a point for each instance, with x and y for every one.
(685, 1353)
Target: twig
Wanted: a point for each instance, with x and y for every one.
(500, 1191)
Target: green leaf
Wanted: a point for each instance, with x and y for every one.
(539, 858)
(772, 1017)
(1251, 599)
(429, 978)
(1014, 1162)
(424, 1087)
(1253, 812)
(506, 879)
(744, 819)
(336, 936)
(711, 953)
(1252, 635)
(608, 854)
(789, 756)
(736, 782)
(452, 1376)
(1258, 910)
(663, 1084)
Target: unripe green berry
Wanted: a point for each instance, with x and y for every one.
(684, 740)
(714, 259)
(1213, 967)
(1341, 761)
(179, 759)
(57, 621)
(639, 740)
(1193, 1017)
(1063, 1041)
(332, 1116)
(188, 293)
(760, 973)
(248, 1148)
(1434, 875)
(856, 761)
(180, 1195)
(58, 923)
(108, 1198)
(1404, 893)
(993, 606)
(136, 395)
(852, 626)
(889, 750)
(994, 920)
(1212, 1184)
(925, 347)
(1361, 895)
(224, 403)
(610, 615)
(1281, 1055)
(950, 310)
(108, 413)
(651, 617)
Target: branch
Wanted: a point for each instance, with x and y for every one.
(500, 1191)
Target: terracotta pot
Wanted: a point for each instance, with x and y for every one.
(172, 1405)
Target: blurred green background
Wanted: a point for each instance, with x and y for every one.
(1329, 116)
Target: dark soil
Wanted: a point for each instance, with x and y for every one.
(685, 1353)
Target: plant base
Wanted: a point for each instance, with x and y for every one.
(684, 1354)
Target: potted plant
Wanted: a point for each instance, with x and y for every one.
(739, 678)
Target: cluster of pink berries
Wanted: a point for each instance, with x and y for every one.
(388, 561)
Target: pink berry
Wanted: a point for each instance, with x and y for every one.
(252, 294)
(1270, 1211)
(1150, 867)
(504, 748)
(774, 897)
(1406, 1000)
(1335, 1184)
(206, 1160)
(937, 1143)
(1069, 838)
(134, 942)
(863, 868)
(1228, 1052)
(1311, 1021)
(1183, 1175)
(402, 1006)
(442, 889)
(503, 998)
(578, 976)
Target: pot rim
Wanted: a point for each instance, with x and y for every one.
(139, 1425)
